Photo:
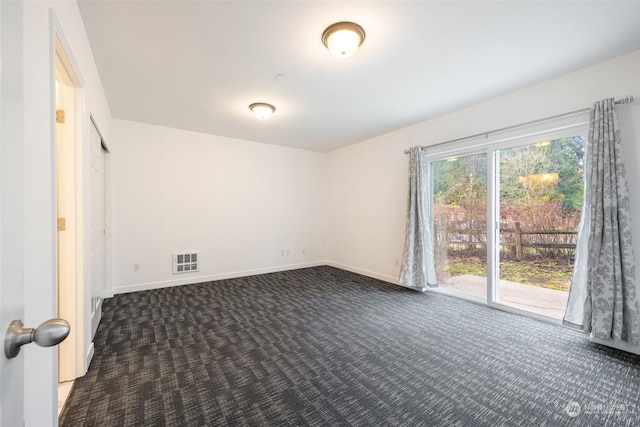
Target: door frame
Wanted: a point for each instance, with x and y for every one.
(78, 309)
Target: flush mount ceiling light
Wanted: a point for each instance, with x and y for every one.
(262, 110)
(343, 38)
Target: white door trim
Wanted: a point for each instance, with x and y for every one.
(78, 310)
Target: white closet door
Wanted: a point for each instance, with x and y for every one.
(97, 228)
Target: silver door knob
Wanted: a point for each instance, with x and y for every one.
(50, 333)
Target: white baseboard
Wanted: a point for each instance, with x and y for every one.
(618, 345)
(210, 278)
(367, 273)
(88, 359)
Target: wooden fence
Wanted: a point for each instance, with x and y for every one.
(515, 238)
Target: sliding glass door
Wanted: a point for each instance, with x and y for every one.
(540, 188)
(460, 223)
(529, 190)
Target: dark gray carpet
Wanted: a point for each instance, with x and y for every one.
(325, 347)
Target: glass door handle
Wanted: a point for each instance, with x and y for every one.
(50, 333)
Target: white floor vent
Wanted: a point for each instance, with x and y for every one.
(185, 262)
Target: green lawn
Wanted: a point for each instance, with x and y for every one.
(545, 272)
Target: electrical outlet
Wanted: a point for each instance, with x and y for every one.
(304, 251)
(282, 252)
(136, 267)
(287, 252)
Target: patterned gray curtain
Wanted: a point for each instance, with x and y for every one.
(417, 269)
(602, 299)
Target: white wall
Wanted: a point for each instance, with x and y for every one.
(366, 188)
(39, 187)
(238, 203)
(367, 185)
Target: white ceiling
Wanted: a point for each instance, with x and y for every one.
(197, 65)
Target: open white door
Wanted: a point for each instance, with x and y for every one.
(12, 407)
(27, 220)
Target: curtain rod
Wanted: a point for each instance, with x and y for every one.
(625, 100)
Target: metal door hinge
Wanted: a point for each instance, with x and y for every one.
(62, 224)
(59, 116)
